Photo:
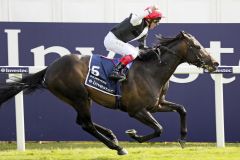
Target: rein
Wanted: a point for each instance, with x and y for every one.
(169, 51)
(199, 62)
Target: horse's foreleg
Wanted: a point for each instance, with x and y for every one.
(146, 118)
(107, 132)
(166, 106)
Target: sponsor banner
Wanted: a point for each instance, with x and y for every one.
(14, 70)
(221, 70)
(48, 118)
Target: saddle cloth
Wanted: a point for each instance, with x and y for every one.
(99, 69)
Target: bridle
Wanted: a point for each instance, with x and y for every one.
(199, 62)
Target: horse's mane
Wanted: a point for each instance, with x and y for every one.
(161, 42)
(165, 41)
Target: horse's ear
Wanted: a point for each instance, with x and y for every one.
(183, 33)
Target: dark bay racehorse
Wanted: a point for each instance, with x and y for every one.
(142, 94)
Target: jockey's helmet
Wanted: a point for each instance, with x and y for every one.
(156, 14)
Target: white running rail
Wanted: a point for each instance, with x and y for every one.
(220, 135)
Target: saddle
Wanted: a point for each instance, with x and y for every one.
(99, 69)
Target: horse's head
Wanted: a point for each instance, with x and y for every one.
(194, 53)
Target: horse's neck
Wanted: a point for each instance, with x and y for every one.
(170, 65)
(160, 72)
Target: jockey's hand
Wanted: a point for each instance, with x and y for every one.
(154, 7)
(143, 48)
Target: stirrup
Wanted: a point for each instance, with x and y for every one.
(117, 76)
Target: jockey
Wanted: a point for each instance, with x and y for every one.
(135, 27)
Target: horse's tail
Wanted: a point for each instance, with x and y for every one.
(29, 84)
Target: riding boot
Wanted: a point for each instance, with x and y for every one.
(117, 73)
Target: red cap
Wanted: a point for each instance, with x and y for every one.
(156, 14)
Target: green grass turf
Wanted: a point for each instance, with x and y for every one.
(97, 151)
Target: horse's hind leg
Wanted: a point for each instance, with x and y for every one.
(146, 118)
(106, 132)
(84, 119)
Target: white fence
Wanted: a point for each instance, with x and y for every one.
(204, 11)
(219, 112)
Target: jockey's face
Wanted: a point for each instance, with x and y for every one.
(153, 24)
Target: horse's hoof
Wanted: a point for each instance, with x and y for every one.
(182, 143)
(122, 152)
(131, 132)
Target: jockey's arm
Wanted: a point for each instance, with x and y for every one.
(137, 18)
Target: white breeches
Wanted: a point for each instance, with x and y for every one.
(112, 43)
